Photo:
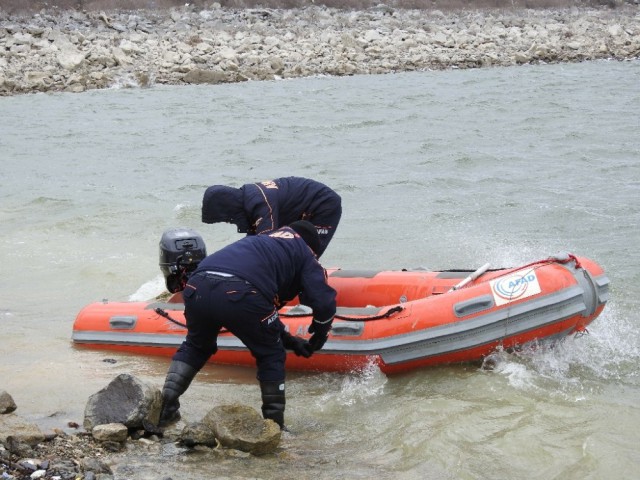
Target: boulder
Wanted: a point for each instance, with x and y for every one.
(70, 59)
(241, 427)
(7, 405)
(126, 400)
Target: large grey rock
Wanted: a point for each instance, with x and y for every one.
(243, 428)
(70, 59)
(7, 405)
(125, 400)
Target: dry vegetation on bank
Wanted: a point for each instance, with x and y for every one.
(27, 6)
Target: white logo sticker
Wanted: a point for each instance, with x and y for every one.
(513, 287)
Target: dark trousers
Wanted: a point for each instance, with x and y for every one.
(213, 302)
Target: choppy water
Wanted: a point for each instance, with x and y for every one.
(437, 169)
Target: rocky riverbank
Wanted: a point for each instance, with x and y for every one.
(76, 51)
(119, 421)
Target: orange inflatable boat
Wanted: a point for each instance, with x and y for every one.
(399, 320)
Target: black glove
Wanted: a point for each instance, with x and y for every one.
(300, 346)
(320, 331)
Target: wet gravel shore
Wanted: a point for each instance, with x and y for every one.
(63, 456)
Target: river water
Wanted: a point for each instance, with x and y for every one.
(448, 169)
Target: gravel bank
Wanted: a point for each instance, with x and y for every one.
(77, 50)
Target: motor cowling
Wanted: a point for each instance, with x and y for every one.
(181, 249)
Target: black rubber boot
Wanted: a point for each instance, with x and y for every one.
(176, 383)
(273, 401)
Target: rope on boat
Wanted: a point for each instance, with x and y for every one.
(164, 314)
(561, 259)
(570, 257)
(387, 314)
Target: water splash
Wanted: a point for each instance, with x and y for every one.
(148, 290)
(519, 376)
(579, 365)
(612, 350)
(127, 81)
(186, 211)
(355, 388)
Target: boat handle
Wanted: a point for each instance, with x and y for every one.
(603, 289)
(352, 329)
(123, 322)
(473, 305)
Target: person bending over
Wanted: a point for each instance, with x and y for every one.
(241, 288)
(266, 206)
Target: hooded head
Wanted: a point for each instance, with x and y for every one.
(224, 204)
(308, 233)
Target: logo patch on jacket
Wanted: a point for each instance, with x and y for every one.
(271, 318)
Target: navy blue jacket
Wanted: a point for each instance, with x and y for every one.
(280, 265)
(265, 206)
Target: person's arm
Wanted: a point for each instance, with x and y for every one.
(317, 294)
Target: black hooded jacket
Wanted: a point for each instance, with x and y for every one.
(280, 265)
(266, 206)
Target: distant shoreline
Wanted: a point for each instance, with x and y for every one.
(75, 51)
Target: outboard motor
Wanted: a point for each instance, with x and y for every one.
(181, 249)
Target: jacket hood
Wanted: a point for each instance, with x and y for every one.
(224, 204)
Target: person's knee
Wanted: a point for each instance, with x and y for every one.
(271, 369)
(194, 355)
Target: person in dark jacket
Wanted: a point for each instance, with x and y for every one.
(241, 287)
(266, 206)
